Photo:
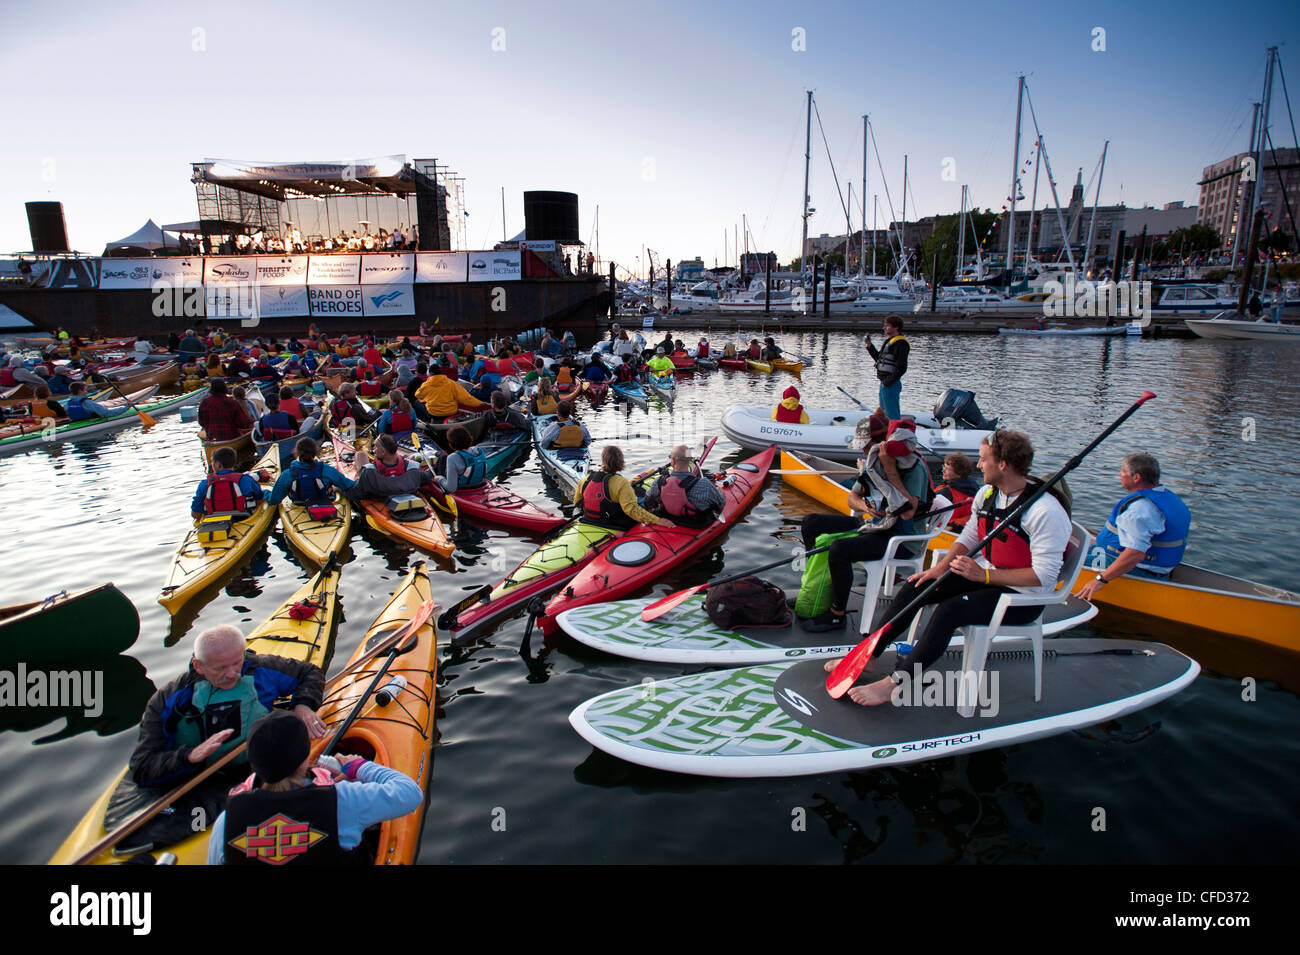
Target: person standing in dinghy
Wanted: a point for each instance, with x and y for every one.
(1146, 533)
(891, 365)
(1027, 559)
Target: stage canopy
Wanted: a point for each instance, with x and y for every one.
(149, 237)
(389, 175)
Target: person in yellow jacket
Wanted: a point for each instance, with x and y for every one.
(608, 499)
(444, 396)
(661, 364)
(790, 411)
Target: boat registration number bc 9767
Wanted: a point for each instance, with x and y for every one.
(780, 432)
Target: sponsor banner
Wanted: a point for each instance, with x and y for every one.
(229, 272)
(333, 270)
(388, 268)
(282, 301)
(441, 266)
(124, 273)
(538, 245)
(236, 301)
(388, 300)
(335, 300)
(282, 270)
(494, 266)
(176, 272)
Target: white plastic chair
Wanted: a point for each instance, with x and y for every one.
(975, 646)
(883, 575)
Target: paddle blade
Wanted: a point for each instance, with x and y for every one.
(1146, 396)
(851, 667)
(145, 419)
(661, 607)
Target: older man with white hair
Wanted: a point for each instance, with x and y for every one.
(210, 709)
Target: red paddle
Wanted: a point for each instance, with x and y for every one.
(851, 667)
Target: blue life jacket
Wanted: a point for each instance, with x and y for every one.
(75, 411)
(1168, 546)
(309, 484)
(475, 468)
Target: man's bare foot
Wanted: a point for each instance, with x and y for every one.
(873, 694)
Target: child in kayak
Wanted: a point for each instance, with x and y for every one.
(339, 798)
(225, 490)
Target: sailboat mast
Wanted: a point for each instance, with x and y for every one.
(1241, 200)
(1263, 134)
(1096, 201)
(961, 229)
(807, 161)
(875, 211)
(902, 228)
(1015, 175)
(1033, 207)
(862, 254)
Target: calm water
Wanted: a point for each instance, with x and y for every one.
(1204, 777)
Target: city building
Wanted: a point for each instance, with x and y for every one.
(1226, 191)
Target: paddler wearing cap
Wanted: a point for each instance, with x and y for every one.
(790, 411)
(892, 489)
(336, 800)
(661, 364)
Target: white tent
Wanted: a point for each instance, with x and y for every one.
(148, 237)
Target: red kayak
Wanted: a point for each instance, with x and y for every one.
(491, 502)
(683, 362)
(737, 363)
(596, 391)
(644, 554)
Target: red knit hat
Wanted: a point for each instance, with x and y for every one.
(791, 392)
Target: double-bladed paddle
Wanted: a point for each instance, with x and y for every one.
(848, 670)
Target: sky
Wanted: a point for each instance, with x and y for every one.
(675, 118)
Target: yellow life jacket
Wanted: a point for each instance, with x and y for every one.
(570, 436)
(547, 404)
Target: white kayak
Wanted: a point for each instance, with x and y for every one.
(1225, 327)
(830, 433)
(567, 465)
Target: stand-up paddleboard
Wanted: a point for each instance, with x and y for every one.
(686, 634)
(777, 720)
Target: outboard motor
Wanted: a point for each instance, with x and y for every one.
(960, 406)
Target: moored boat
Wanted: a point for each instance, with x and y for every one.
(831, 432)
(79, 625)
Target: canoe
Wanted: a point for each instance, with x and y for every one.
(196, 564)
(567, 471)
(280, 634)
(644, 554)
(497, 505)
(144, 376)
(399, 735)
(311, 428)
(665, 387)
(830, 433)
(317, 538)
(426, 533)
(472, 421)
(93, 427)
(754, 365)
(631, 392)
(75, 626)
(241, 445)
(785, 364)
(824, 488)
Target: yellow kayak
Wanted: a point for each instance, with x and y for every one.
(198, 564)
(282, 635)
(785, 364)
(316, 538)
(755, 365)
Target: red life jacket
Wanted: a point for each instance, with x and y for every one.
(789, 415)
(342, 409)
(703, 350)
(624, 373)
(372, 356)
(492, 367)
(755, 351)
(291, 406)
(224, 494)
(396, 469)
(962, 514)
(7, 379)
(675, 503)
(599, 506)
(402, 422)
(1011, 550)
(369, 389)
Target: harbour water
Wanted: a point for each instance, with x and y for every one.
(1205, 777)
